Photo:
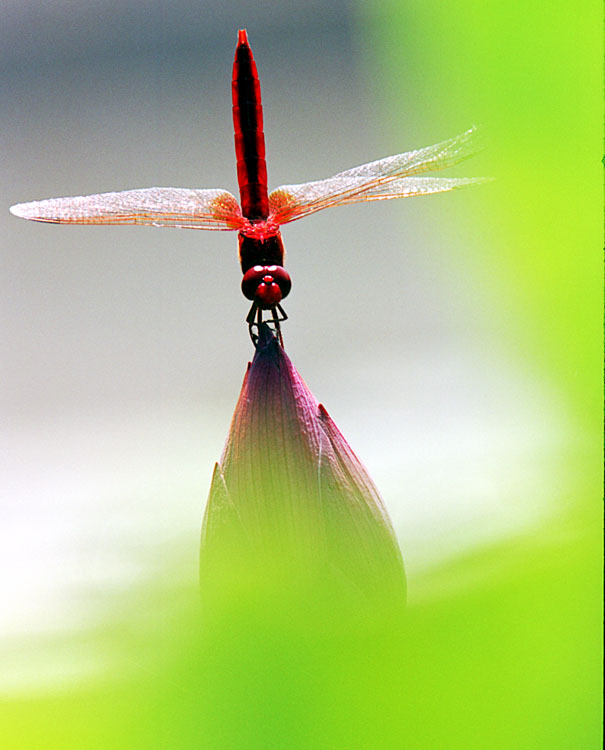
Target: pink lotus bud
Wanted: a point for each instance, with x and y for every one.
(290, 503)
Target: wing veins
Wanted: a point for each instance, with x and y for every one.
(170, 207)
(291, 202)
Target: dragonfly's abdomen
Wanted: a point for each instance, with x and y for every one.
(249, 135)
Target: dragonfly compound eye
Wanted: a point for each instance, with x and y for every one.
(267, 285)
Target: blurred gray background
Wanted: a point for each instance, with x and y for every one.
(124, 347)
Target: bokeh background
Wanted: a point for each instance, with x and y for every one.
(455, 340)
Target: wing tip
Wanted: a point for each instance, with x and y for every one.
(475, 136)
(20, 210)
(31, 212)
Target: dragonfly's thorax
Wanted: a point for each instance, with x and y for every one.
(260, 244)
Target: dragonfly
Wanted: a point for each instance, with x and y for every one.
(259, 215)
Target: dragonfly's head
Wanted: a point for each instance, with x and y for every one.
(266, 285)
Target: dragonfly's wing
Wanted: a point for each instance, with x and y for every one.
(385, 178)
(158, 207)
(406, 187)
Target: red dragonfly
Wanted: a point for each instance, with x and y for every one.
(260, 214)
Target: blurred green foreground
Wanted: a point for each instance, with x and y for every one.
(301, 640)
(505, 661)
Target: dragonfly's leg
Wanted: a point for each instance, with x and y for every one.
(252, 324)
(251, 314)
(254, 319)
(275, 314)
(257, 325)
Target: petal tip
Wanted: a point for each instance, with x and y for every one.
(267, 343)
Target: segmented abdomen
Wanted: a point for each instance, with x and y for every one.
(249, 135)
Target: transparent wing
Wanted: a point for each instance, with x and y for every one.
(158, 207)
(407, 187)
(378, 180)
